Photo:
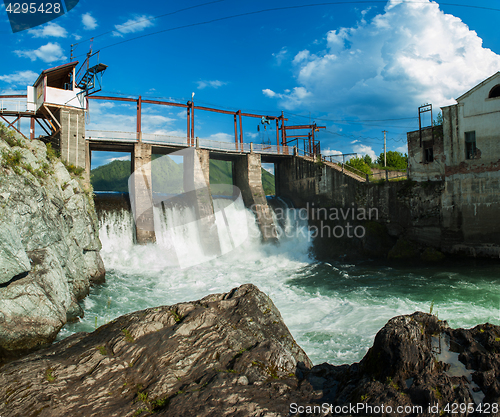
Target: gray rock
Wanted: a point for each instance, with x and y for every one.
(13, 258)
(225, 355)
(51, 235)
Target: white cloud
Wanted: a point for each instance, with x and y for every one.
(269, 93)
(403, 149)
(329, 152)
(213, 84)
(291, 98)
(20, 78)
(49, 53)
(365, 150)
(251, 135)
(136, 24)
(89, 22)
(50, 29)
(281, 55)
(121, 158)
(222, 137)
(410, 54)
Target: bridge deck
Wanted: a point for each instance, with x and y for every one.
(124, 141)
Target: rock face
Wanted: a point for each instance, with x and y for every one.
(231, 355)
(417, 361)
(225, 355)
(49, 245)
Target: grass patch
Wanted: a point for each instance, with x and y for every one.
(12, 159)
(49, 376)
(102, 350)
(73, 170)
(177, 317)
(128, 336)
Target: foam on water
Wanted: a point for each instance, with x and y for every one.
(333, 310)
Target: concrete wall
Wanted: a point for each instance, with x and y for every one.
(142, 196)
(247, 176)
(471, 200)
(455, 217)
(197, 192)
(72, 136)
(419, 169)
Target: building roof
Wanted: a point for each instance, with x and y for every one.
(58, 75)
(468, 93)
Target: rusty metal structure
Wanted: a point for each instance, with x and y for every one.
(310, 147)
(421, 110)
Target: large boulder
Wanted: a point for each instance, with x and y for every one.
(224, 355)
(49, 245)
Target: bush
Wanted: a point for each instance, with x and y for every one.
(12, 159)
(72, 169)
(395, 160)
(359, 164)
(10, 137)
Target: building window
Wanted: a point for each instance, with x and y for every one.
(428, 152)
(470, 145)
(495, 92)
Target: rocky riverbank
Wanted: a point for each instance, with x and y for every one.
(49, 245)
(231, 355)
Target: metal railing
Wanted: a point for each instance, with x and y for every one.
(182, 141)
(17, 106)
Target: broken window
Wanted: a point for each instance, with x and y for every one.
(495, 92)
(428, 152)
(470, 145)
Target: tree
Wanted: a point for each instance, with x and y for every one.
(368, 160)
(359, 164)
(394, 160)
(439, 120)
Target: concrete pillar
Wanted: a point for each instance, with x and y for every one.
(247, 176)
(142, 194)
(72, 136)
(197, 192)
(88, 162)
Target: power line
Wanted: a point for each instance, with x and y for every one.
(273, 9)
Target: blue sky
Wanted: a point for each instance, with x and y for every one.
(357, 68)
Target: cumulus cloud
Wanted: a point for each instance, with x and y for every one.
(20, 78)
(89, 22)
(213, 84)
(365, 150)
(136, 24)
(48, 30)
(410, 54)
(49, 53)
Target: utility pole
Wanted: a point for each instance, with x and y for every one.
(385, 148)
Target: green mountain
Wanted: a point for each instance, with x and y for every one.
(167, 177)
(111, 177)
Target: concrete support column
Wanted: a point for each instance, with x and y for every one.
(197, 191)
(247, 176)
(88, 162)
(72, 136)
(142, 194)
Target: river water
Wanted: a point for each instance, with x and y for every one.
(333, 309)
